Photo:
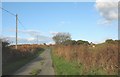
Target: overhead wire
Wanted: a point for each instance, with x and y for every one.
(14, 15)
(8, 11)
(21, 24)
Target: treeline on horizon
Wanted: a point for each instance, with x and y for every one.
(65, 39)
(82, 42)
(63, 42)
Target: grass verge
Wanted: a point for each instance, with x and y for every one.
(63, 67)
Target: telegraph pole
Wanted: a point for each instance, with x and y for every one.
(37, 39)
(16, 29)
(16, 23)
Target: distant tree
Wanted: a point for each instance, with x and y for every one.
(69, 42)
(109, 41)
(60, 38)
(5, 43)
(44, 43)
(79, 42)
(74, 42)
(82, 42)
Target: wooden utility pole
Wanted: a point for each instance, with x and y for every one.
(16, 29)
(37, 39)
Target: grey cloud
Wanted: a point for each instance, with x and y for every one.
(108, 10)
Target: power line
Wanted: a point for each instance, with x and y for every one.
(8, 11)
(16, 24)
(21, 23)
(17, 21)
(16, 30)
(13, 15)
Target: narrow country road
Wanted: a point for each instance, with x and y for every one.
(42, 65)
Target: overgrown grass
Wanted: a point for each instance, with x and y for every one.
(10, 68)
(100, 60)
(64, 67)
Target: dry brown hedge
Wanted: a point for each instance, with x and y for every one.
(102, 56)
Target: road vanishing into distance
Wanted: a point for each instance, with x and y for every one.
(42, 65)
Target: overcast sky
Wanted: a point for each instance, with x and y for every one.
(91, 21)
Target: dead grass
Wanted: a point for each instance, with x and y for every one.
(103, 57)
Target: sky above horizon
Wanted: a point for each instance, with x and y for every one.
(90, 21)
